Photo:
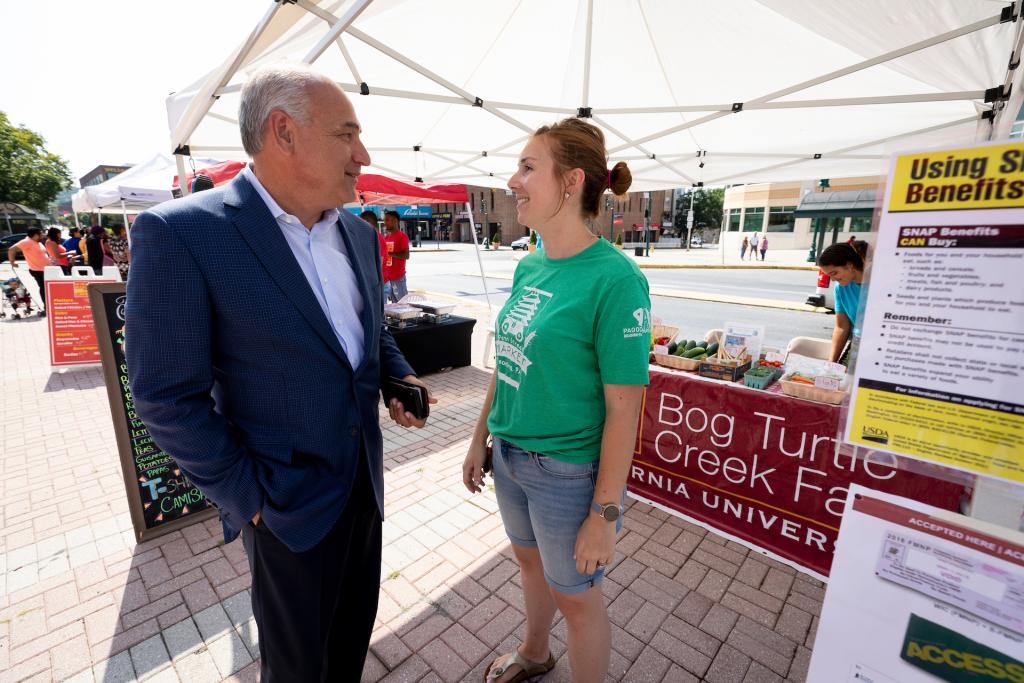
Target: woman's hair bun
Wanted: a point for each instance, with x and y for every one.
(619, 179)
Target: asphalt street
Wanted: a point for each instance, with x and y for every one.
(447, 272)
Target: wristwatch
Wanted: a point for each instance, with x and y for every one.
(610, 511)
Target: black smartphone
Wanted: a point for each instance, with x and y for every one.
(412, 396)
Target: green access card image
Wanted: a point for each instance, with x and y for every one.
(952, 657)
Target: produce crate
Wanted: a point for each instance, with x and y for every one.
(664, 331)
(677, 362)
(758, 381)
(729, 370)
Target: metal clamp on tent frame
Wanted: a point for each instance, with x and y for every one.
(364, 89)
(1000, 93)
(737, 107)
(1007, 14)
(584, 113)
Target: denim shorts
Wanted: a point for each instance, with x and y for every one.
(543, 504)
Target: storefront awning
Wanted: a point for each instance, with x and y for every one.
(837, 204)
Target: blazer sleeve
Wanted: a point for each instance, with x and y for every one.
(169, 351)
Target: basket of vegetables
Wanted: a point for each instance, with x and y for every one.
(759, 377)
(686, 354)
(803, 386)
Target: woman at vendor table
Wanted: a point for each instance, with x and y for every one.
(844, 264)
(572, 346)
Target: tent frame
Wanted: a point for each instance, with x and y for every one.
(993, 103)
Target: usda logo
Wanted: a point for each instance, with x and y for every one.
(875, 434)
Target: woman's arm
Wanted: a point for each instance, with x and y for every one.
(595, 543)
(472, 466)
(840, 335)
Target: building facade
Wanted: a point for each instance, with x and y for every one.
(101, 173)
(494, 212)
(769, 209)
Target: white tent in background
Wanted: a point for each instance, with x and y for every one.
(687, 92)
(140, 187)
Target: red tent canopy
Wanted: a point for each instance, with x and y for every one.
(219, 173)
(378, 189)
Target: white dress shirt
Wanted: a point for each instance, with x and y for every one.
(321, 254)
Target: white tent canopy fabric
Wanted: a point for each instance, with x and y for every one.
(686, 92)
(140, 187)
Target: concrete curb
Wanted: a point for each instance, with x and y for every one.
(723, 267)
(702, 296)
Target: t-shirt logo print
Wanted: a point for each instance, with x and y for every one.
(643, 324)
(511, 349)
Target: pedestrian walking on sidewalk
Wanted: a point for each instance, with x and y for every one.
(753, 247)
(56, 252)
(398, 255)
(371, 219)
(36, 259)
(270, 298)
(119, 250)
(764, 246)
(743, 248)
(563, 405)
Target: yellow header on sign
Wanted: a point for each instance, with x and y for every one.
(990, 177)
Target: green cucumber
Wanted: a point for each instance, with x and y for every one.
(694, 352)
(713, 348)
(692, 344)
(672, 348)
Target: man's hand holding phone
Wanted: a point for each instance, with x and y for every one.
(408, 400)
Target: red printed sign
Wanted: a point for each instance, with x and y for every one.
(760, 466)
(69, 316)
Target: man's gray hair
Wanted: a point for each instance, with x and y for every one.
(281, 87)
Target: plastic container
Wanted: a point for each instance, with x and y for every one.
(755, 381)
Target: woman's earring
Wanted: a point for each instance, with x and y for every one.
(566, 195)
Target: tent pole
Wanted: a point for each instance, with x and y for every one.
(124, 214)
(179, 161)
(75, 214)
(480, 262)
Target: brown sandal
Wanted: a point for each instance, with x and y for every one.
(529, 669)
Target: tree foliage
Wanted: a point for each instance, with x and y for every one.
(707, 207)
(29, 174)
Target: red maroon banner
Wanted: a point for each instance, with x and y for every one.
(760, 466)
(69, 317)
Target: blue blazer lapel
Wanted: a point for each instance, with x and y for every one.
(357, 252)
(263, 235)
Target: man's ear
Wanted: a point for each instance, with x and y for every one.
(281, 131)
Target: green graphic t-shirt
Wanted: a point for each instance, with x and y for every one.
(569, 327)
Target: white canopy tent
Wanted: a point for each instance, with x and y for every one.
(686, 92)
(140, 187)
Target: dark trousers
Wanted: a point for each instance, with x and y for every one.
(37, 275)
(315, 609)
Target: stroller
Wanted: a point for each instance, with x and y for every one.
(17, 302)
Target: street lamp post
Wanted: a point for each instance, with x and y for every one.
(609, 206)
(689, 221)
(647, 224)
(812, 254)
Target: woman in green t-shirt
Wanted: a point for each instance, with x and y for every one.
(571, 348)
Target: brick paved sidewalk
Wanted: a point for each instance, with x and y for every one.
(80, 601)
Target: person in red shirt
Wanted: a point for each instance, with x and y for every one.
(398, 253)
(371, 218)
(35, 257)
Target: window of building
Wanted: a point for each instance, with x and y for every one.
(860, 224)
(781, 219)
(753, 219)
(734, 220)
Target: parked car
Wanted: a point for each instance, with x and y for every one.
(8, 241)
(521, 243)
(822, 296)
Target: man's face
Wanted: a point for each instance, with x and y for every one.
(329, 151)
(37, 238)
(391, 223)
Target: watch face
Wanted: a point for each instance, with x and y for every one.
(611, 513)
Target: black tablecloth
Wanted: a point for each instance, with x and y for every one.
(430, 347)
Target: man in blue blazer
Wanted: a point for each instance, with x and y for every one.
(255, 349)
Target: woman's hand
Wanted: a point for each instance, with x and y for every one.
(473, 467)
(595, 544)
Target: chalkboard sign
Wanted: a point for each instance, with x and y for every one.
(160, 496)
